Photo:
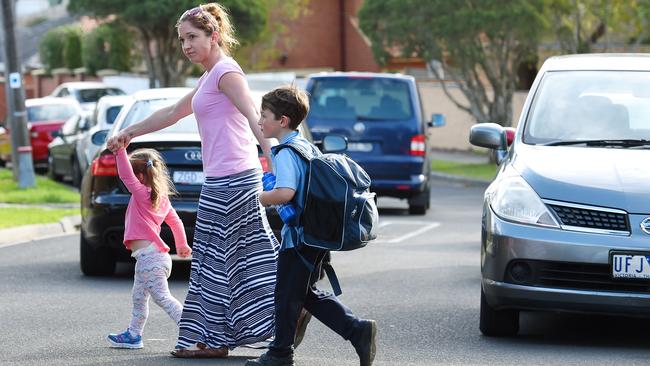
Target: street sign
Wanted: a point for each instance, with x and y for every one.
(15, 80)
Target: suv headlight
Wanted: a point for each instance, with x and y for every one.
(512, 199)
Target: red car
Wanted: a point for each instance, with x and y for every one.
(44, 116)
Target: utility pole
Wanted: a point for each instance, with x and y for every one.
(21, 150)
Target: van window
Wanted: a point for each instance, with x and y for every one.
(367, 99)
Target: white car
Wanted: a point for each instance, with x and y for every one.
(107, 110)
(87, 93)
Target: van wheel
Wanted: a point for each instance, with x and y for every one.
(419, 204)
(497, 323)
(95, 262)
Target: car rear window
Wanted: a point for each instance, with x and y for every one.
(368, 99)
(93, 95)
(111, 114)
(142, 109)
(51, 112)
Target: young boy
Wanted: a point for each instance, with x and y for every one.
(283, 109)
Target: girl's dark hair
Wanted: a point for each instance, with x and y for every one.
(210, 18)
(152, 166)
(287, 101)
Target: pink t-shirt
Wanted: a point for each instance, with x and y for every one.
(142, 222)
(227, 142)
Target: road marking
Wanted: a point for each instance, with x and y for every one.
(428, 226)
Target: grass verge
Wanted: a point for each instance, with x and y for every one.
(45, 191)
(481, 171)
(18, 216)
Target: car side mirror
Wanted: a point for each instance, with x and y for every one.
(492, 136)
(437, 120)
(99, 138)
(84, 125)
(334, 144)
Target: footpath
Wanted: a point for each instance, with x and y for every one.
(70, 224)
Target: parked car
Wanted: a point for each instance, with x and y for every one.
(104, 197)
(87, 93)
(44, 116)
(566, 221)
(108, 107)
(382, 117)
(63, 158)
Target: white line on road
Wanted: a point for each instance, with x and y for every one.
(421, 230)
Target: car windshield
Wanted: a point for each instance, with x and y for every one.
(590, 106)
(369, 99)
(50, 112)
(93, 95)
(142, 109)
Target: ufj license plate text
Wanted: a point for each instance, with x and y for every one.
(630, 266)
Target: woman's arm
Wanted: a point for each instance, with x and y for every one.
(234, 85)
(158, 120)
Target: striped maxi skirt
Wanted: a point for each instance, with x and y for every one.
(230, 300)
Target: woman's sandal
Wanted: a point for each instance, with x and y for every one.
(201, 351)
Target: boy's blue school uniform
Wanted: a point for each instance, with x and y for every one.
(295, 284)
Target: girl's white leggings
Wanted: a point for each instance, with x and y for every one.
(152, 269)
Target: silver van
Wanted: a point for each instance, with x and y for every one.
(566, 221)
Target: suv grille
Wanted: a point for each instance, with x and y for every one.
(567, 275)
(591, 218)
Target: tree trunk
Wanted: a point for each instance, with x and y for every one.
(148, 57)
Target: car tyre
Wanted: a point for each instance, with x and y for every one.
(51, 169)
(419, 204)
(95, 262)
(76, 173)
(497, 323)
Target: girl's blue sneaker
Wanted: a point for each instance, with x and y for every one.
(125, 340)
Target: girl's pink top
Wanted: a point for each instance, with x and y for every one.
(142, 222)
(227, 142)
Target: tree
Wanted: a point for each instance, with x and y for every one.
(61, 47)
(155, 22)
(108, 45)
(479, 44)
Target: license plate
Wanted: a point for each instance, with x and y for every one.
(360, 146)
(188, 177)
(628, 265)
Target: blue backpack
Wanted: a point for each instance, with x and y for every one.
(339, 212)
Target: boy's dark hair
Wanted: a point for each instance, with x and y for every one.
(287, 101)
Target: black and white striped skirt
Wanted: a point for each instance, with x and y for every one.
(230, 297)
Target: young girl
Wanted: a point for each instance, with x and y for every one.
(145, 176)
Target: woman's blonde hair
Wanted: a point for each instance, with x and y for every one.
(149, 163)
(209, 18)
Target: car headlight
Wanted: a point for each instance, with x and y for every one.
(512, 199)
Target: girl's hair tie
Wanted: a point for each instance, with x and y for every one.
(149, 163)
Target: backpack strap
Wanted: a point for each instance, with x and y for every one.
(303, 151)
(329, 271)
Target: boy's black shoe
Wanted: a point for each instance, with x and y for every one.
(266, 360)
(364, 342)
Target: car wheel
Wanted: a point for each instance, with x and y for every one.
(52, 169)
(76, 173)
(497, 323)
(95, 262)
(419, 204)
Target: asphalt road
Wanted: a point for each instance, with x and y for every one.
(420, 281)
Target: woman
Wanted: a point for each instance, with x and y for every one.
(230, 296)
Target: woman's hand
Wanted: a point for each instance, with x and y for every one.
(121, 140)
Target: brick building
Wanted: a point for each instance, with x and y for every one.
(329, 37)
